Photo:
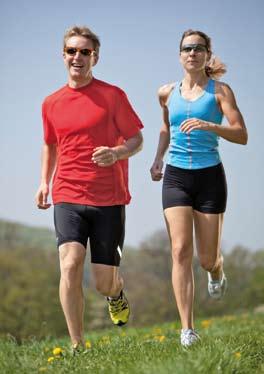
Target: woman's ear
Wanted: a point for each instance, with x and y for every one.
(209, 55)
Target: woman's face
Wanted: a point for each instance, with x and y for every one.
(194, 54)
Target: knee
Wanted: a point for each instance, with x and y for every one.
(182, 253)
(69, 270)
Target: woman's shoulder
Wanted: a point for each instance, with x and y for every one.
(222, 87)
(164, 92)
(224, 93)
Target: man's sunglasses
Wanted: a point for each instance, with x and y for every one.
(84, 51)
(194, 47)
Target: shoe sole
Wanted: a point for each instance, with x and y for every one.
(219, 297)
(120, 323)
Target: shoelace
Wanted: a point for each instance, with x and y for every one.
(117, 306)
(189, 335)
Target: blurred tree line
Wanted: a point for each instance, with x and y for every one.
(29, 278)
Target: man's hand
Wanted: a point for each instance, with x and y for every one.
(41, 197)
(104, 156)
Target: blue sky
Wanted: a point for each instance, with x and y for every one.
(139, 53)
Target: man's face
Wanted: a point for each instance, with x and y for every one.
(80, 57)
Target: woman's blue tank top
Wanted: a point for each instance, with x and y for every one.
(199, 149)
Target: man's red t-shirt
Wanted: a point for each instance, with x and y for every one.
(79, 120)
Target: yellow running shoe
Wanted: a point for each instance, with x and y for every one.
(119, 309)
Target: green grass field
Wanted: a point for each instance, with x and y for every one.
(231, 344)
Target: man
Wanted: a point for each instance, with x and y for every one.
(90, 130)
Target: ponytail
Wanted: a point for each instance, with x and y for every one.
(215, 68)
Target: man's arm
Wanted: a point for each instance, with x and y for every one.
(107, 156)
(48, 163)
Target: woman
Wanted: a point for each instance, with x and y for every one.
(194, 186)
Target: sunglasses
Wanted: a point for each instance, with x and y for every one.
(84, 51)
(194, 47)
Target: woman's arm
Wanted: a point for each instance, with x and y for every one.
(164, 137)
(235, 131)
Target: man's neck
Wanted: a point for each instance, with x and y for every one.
(79, 83)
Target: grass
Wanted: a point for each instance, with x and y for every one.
(231, 344)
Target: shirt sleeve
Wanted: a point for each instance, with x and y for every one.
(48, 129)
(126, 119)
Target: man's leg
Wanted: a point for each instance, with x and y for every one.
(106, 243)
(110, 284)
(72, 257)
(108, 281)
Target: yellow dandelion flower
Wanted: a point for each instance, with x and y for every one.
(57, 351)
(159, 338)
(157, 331)
(88, 344)
(237, 355)
(206, 323)
(50, 359)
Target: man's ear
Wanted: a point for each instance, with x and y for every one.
(95, 59)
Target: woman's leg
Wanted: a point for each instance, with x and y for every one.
(208, 230)
(179, 222)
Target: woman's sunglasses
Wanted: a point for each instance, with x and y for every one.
(194, 47)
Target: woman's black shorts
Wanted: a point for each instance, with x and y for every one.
(203, 189)
(104, 226)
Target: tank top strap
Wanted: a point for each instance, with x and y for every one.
(211, 87)
(174, 93)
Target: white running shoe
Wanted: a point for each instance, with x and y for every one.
(189, 337)
(217, 288)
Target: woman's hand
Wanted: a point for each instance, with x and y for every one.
(196, 124)
(156, 170)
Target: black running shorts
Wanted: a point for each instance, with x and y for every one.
(203, 189)
(104, 226)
